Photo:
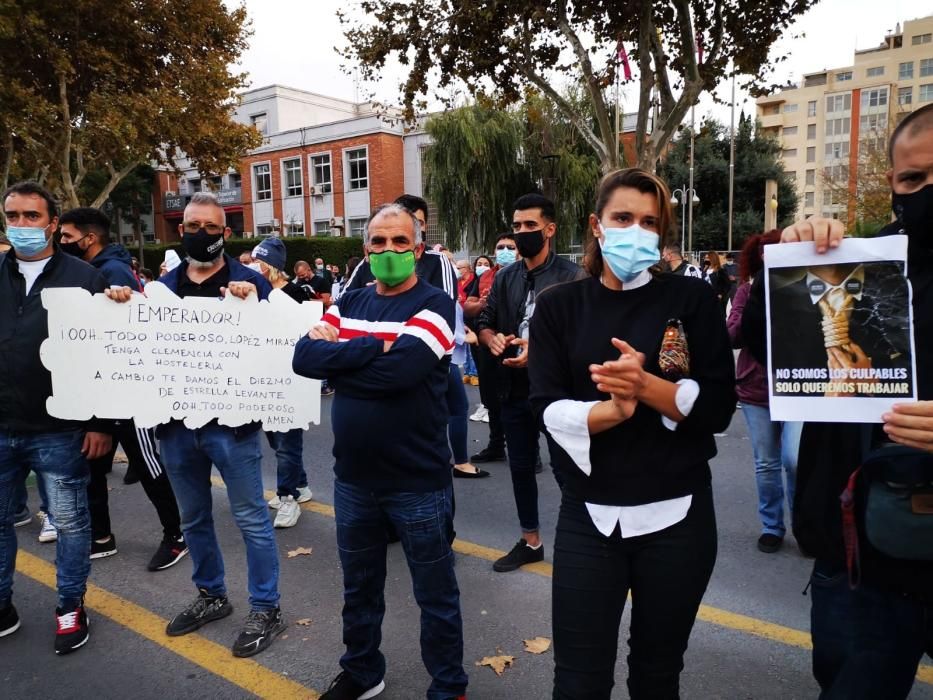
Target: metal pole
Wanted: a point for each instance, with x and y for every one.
(690, 205)
(731, 158)
(618, 110)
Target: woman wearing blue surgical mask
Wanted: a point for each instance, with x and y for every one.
(632, 374)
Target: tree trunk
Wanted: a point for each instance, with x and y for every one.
(7, 162)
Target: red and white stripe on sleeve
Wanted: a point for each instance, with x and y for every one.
(332, 317)
(433, 330)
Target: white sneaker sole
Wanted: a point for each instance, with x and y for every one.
(373, 692)
(282, 523)
(15, 627)
(48, 537)
(304, 497)
(104, 555)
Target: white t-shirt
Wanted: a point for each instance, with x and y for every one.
(31, 269)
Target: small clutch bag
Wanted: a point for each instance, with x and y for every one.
(674, 358)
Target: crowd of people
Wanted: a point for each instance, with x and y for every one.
(625, 366)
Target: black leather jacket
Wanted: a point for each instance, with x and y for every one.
(505, 309)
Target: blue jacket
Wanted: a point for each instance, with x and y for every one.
(238, 273)
(115, 264)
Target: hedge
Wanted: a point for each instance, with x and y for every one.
(334, 251)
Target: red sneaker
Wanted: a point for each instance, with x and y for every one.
(72, 632)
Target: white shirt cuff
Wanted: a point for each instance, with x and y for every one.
(687, 393)
(568, 423)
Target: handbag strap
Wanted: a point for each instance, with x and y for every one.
(850, 530)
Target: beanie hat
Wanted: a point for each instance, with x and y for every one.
(272, 252)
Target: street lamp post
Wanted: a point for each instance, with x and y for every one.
(679, 196)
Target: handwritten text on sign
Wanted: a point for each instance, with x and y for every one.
(160, 357)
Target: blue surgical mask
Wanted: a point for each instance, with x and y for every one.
(505, 256)
(629, 251)
(27, 240)
(481, 269)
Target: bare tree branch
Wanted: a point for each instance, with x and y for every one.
(7, 161)
(115, 177)
(82, 168)
(645, 78)
(71, 195)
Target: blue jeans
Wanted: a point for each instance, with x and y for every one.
(457, 419)
(58, 463)
(867, 643)
(521, 440)
(469, 367)
(22, 496)
(424, 523)
(775, 446)
(289, 449)
(188, 455)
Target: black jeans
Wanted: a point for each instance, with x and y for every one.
(666, 572)
(867, 643)
(140, 448)
(486, 365)
(521, 437)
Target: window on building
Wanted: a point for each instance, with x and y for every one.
(357, 227)
(839, 103)
(295, 228)
(259, 122)
(790, 108)
(808, 199)
(791, 175)
(871, 124)
(874, 71)
(838, 127)
(292, 168)
(918, 39)
(790, 131)
(234, 181)
(194, 185)
(811, 132)
(811, 177)
(875, 98)
(836, 173)
(264, 230)
(789, 153)
(358, 167)
(926, 67)
(320, 174)
(839, 149)
(263, 177)
(811, 154)
(844, 75)
(322, 228)
(905, 70)
(905, 96)
(214, 183)
(926, 93)
(811, 108)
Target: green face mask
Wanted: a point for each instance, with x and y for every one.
(392, 268)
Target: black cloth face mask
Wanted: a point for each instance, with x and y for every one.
(529, 243)
(914, 211)
(202, 246)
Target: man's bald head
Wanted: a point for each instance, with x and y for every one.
(915, 122)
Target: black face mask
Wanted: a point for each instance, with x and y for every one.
(529, 243)
(73, 248)
(202, 246)
(914, 211)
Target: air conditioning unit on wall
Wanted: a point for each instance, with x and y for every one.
(336, 222)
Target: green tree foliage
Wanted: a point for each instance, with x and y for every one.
(483, 158)
(101, 86)
(543, 44)
(756, 160)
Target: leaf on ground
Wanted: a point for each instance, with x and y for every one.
(292, 553)
(497, 663)
(304, 622)
(538, 645)
(284, 636)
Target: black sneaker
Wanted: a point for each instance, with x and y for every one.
(343, 687)
(24, 517)
(261, 628)
(72, 632)
(9, 620)
(769, 543)
(205, 608)
(488, 454)
(170, 552)
(107, 548)
(520, 555)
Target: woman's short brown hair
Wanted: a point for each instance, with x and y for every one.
(637, 179)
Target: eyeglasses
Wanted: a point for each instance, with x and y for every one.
(505, 246)
(195, 226)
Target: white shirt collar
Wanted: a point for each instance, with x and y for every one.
(644, 277)
(858, 274)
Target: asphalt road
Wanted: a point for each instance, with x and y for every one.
(748, 643)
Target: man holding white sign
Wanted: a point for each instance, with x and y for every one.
(864, 499)
(235, 451)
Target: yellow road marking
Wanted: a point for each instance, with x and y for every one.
(245, 673)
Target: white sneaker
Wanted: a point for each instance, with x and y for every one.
(486, 417)
(480, 413)
(48, 533)
(289, 510)
(304, 495)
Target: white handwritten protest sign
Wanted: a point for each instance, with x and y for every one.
(840, 330)
(160, 357)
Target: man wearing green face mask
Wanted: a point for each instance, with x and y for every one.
(386, 349)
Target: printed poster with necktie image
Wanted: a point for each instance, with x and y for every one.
(840, 330)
